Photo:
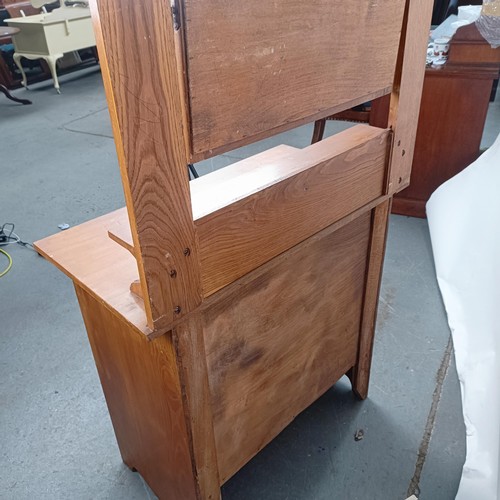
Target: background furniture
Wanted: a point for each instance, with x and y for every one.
(6, 77)
(6, 32)
(4, 90)
(49, 36)
(454, 106)
(218, 309)
(452, 115)
(21, 8)
(10, 76)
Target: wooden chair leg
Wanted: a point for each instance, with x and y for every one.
(319, 130)
(7, 94)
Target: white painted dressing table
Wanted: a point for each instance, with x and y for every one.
(49, 36)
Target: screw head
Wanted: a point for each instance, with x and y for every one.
(173, 273)
(177, 310)
(187, 252)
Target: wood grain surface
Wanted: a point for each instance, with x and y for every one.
(254, 67)
(407, 91)
(121, 232)
(228, 185)
(316, 187)
(137, 51)
(219, 189)
(141, 385)
(283, 340)
(188, 338)
(97, 264)
(290, 242)
(240, 209)
(361, 371)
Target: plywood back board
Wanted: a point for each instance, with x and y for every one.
(276, 345)
(260, 66)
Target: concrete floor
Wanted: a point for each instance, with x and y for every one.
(58, 165)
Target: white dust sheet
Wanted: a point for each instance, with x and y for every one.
(464, 221)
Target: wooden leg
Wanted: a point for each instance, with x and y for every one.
(191, 360)
(7, 94)
(17, 59)
(319, 130)
(360, 373)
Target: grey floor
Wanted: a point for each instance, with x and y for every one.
(58, 165)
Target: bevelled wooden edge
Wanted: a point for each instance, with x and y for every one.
(469, 47)
(464, 71)
(121, 233)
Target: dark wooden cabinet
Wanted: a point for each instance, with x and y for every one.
(452, 115)
(450, 127)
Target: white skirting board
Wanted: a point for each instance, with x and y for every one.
(464, 222)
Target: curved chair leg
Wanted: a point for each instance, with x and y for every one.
(7, 94)
(319, 130)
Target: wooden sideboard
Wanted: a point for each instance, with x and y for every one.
(454, 105)
(219, 309)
